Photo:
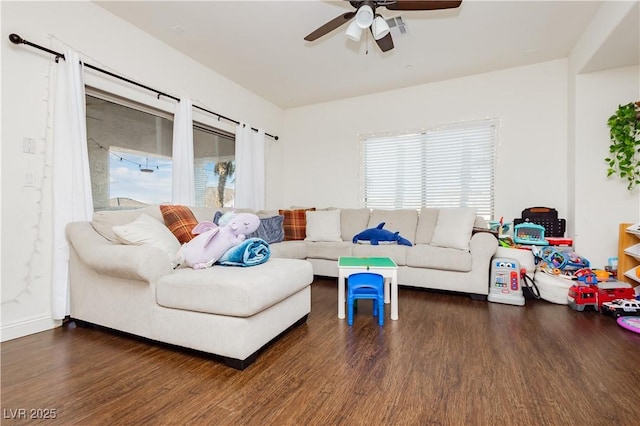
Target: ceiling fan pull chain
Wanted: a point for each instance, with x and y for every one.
(366, 52)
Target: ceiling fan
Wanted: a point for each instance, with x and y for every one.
(366, 17)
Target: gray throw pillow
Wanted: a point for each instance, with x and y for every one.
(271, 229)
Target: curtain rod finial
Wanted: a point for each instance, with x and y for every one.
(15, 38)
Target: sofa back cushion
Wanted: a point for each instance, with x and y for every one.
(104, 221)
(480, 223)
(323, 225)
(403, 221)
(147, 231)
(454, 228)
(426, 225)
(352, 222)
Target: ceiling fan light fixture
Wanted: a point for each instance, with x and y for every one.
(379, 28)
(354, 32)
(364, 16)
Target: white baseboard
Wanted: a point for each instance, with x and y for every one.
(27, 327)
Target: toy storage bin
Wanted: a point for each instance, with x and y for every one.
(529, 233)
(552, 288)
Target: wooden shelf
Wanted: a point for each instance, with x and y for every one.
(629, 253)
(633, 251)
(631, 274)
(634, 229)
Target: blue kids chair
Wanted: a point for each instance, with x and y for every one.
(366, 285)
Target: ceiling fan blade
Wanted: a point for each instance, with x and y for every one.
(423, 5)
(385, 43)
(330, 26)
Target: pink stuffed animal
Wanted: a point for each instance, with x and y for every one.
(214, 241)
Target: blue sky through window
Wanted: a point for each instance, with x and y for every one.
(127, 180)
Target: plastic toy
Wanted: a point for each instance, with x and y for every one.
(582, 296)
(500, 226)
(630, 323)
(504, 282)
(377, 235)
(506, 241)
(559, 241)
(213, 241)
(621, 307)
(529, 233)
(586, 276)
(546, 217)
(602, 275)
(565, 260)
(612, 266)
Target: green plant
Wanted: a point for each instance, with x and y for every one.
(624, 151)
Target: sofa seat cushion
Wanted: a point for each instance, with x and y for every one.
(289, 250)
(232, 291)
(433, 257)
(329, 250)
(397, 253)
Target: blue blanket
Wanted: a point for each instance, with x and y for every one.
(250, 252)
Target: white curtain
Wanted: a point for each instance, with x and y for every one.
(183, 185)
(71, 179)
(250, 168)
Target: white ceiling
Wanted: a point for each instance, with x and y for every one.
(260, 45)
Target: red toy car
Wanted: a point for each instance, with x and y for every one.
(582, 296)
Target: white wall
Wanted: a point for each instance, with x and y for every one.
(601, 204)
(321, 145)
(536, 163)
(106, 41)
(597, 204)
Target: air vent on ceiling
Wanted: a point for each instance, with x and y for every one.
(397, 26)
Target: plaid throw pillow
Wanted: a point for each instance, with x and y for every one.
(295, 223)
(180, 220)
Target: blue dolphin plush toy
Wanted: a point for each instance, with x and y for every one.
(377, 234)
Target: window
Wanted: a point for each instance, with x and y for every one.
(137, 178)
(130, 156)
(214, 158)
(451, 166)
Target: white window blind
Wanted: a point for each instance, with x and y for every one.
(445, 167)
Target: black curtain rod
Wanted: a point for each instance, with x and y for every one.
(16, 39)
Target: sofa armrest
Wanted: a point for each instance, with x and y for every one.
(483, 245)
(116, 260)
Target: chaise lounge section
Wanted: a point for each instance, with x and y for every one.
(231, 312)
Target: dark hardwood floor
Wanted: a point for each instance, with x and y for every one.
(448, 360)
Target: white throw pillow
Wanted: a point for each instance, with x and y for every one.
(147, 231)
(323, 225)
(454, 227)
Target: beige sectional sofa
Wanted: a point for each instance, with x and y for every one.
(451, 248)
(234, 312)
